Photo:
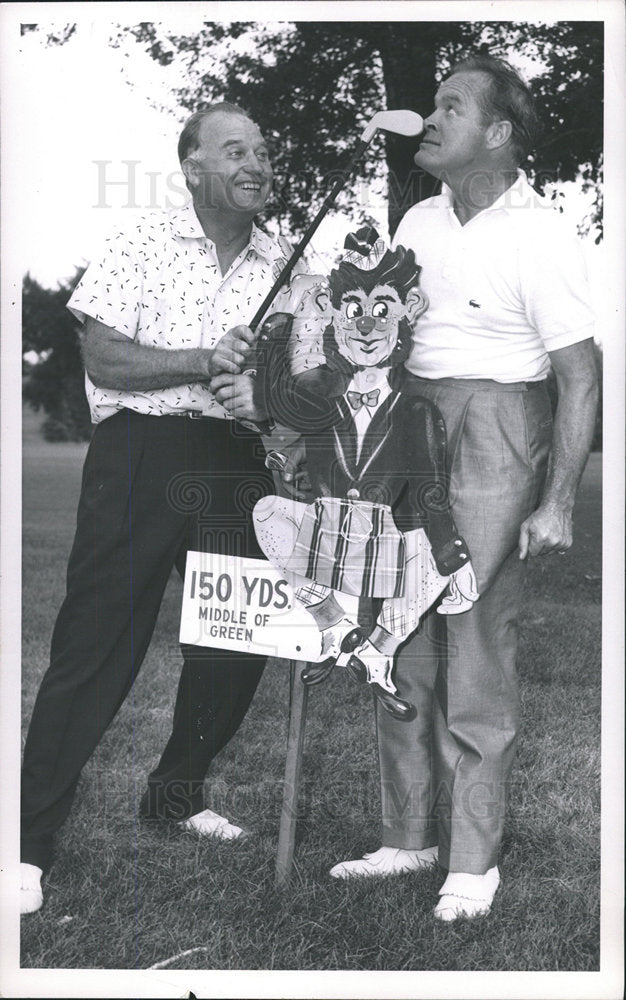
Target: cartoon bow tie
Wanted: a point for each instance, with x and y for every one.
(359, 399)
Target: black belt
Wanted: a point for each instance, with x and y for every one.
(191, 414)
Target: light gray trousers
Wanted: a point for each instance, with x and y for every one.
(444, 776)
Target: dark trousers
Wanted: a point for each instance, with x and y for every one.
(152, 488)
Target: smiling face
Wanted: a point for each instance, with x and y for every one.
(366, 326)
(230, 171)
(455, 140)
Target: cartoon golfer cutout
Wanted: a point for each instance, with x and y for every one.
(379, 526)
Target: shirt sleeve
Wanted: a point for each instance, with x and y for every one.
(554, 285)
(111, 288)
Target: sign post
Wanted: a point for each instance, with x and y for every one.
(299, 694)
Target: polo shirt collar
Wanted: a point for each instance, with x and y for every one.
(518, 195)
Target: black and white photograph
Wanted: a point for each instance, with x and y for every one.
(312, 469)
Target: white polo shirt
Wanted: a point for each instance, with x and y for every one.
(159, 283)
(504, 289)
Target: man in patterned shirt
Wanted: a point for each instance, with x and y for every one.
(160, 309)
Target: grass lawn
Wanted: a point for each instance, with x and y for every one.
(125, 895)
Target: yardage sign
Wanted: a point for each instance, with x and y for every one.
(231, 602)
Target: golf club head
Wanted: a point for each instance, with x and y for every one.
(401, 122)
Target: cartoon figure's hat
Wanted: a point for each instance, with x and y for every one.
(365, 249)
(368, 262)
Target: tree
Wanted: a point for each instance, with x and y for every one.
(310, 84)
(55, 382)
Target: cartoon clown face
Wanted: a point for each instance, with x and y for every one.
(366, 326)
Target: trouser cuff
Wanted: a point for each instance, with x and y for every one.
(409, 840)
(37, 852)
(171, 800)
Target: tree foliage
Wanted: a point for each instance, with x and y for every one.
(55, 383)
(311, 85)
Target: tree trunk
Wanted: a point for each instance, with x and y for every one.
(408, 51)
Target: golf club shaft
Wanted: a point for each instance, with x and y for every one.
(296, 255)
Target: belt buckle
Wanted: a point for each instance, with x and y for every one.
(195, 414)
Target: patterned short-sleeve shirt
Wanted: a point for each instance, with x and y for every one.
(160, 284)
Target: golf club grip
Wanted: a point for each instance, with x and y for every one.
(297, 253)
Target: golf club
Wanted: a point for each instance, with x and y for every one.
(401, 123)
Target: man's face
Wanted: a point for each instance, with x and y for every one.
(366, 326)
(454, 142)
(231, 170)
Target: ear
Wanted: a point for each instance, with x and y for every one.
(305, 296)
(416, 303)
(498, 134)
(189, 168)
(320, 301)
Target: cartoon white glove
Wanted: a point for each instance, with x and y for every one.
(462, 592)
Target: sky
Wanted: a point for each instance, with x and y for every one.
(118, 149)
(91, 131)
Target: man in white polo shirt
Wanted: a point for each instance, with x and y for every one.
(508, 300)
(167, 469)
